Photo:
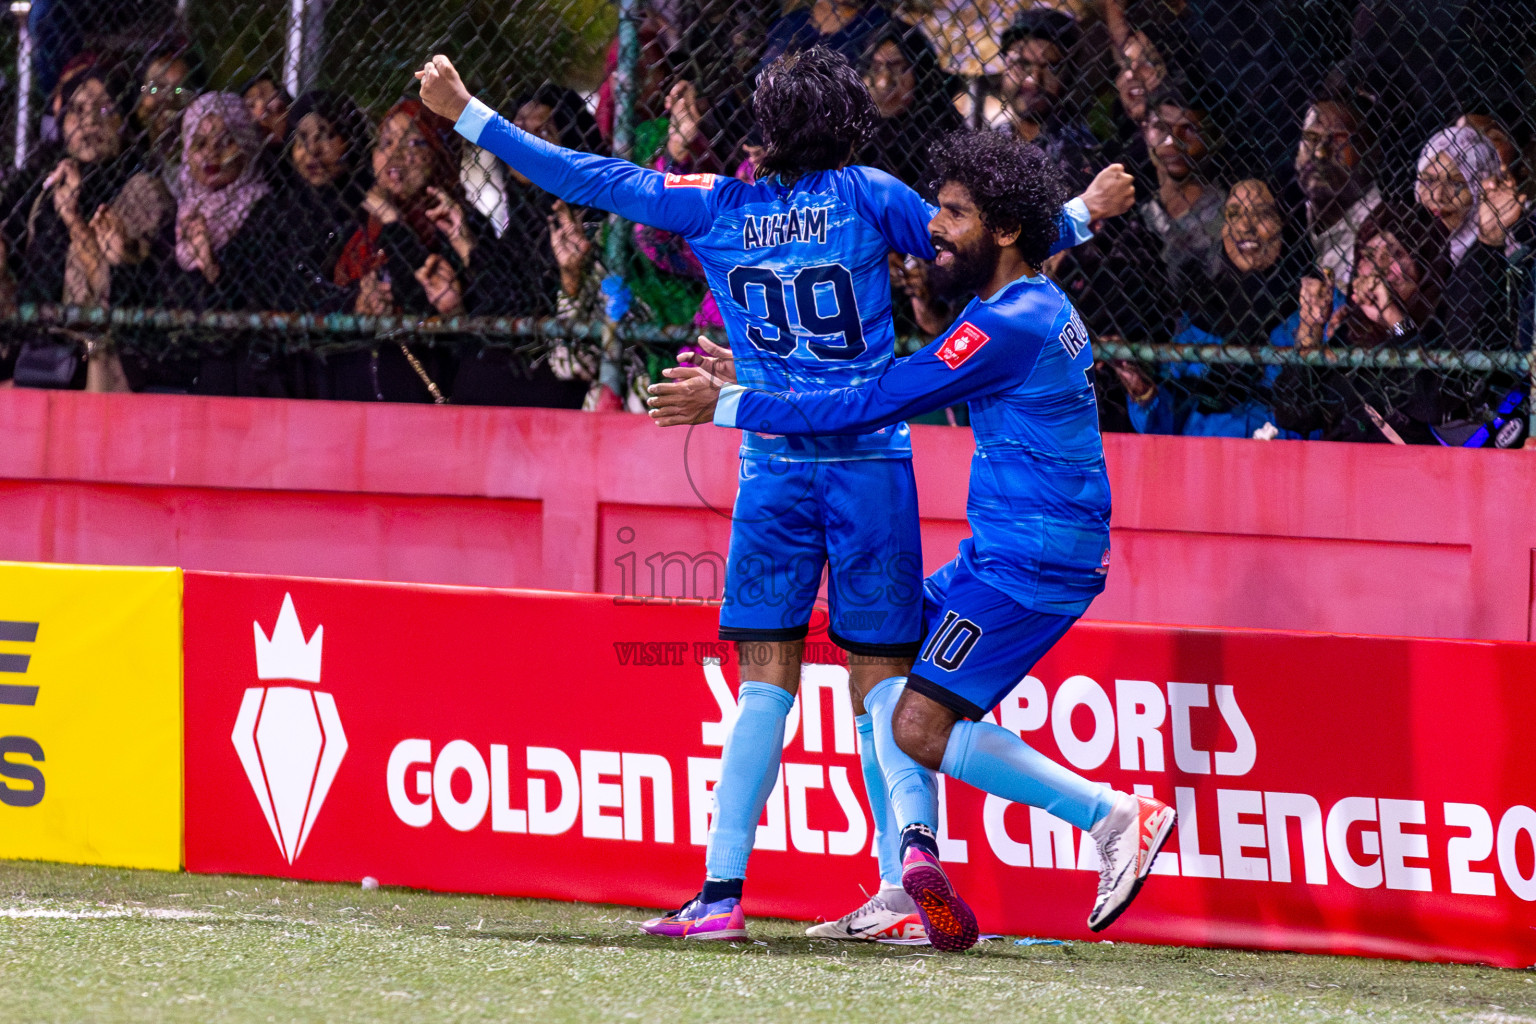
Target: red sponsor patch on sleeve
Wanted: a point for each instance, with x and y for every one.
(704, 181)
(964, 342)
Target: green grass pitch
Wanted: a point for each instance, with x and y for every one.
(107, 945)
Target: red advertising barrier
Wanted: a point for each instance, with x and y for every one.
(1338, 794)
(1206, 531)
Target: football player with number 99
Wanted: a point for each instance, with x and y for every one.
(798, 265)
(1038, 509)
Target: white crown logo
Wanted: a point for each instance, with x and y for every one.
(287, 655)
(289, 739)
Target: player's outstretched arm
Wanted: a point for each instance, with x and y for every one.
(585, 179)
(964, 363)
(902, 216)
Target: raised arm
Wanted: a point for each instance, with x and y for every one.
(902, 215)
(678, 203)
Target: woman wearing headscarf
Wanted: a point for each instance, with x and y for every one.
(912, 97)
(61, 198)
(327, 155)
(1479, 310)
(527, 277)
(1397, 280)
(48, 149)
(50, 231)
(416, 252)
(1452, 168)
(234, 244)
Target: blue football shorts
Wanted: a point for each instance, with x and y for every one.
(978, 642)
(791, 520)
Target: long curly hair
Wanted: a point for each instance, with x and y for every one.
(814, 113)
(1014, 185)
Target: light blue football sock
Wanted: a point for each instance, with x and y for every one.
(749, 768)
(912, 789)
(996, 761)
(887, 835)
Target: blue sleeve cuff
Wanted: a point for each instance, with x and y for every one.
(1076, 212)
(727, 403)
(473, 120)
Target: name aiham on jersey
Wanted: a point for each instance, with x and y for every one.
(965, 342)
(783, 228)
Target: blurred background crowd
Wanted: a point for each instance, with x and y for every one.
(1342, 178)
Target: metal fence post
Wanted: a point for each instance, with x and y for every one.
(305, 44)
(623, 124)
(20, 11)
(1530, 373)
(616, 252)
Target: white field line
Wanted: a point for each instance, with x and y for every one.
(104, 913)
(157, 913)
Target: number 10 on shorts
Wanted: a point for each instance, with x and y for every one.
(952, 642)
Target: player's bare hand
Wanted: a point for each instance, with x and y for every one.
(442, 90)
(688, 396)
(715, 360)
(1111, 193)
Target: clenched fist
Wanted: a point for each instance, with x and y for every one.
(442, 90)
(1111, 193)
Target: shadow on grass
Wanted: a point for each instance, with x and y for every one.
(779, 945)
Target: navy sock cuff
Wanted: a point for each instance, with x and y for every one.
(717, 889)
(921, 837)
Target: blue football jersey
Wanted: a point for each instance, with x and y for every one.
(799, 272)
(1039, 493)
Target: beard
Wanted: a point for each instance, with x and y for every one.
(966, 272)
(1328, 183)
(1032, 104)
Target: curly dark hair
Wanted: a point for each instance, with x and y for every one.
(1014, 185)
(814, 112)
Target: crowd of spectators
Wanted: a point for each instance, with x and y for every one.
(1341, 175)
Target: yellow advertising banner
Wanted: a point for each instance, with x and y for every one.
(90, 714)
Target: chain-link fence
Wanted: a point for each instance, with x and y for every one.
(1332, 237)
